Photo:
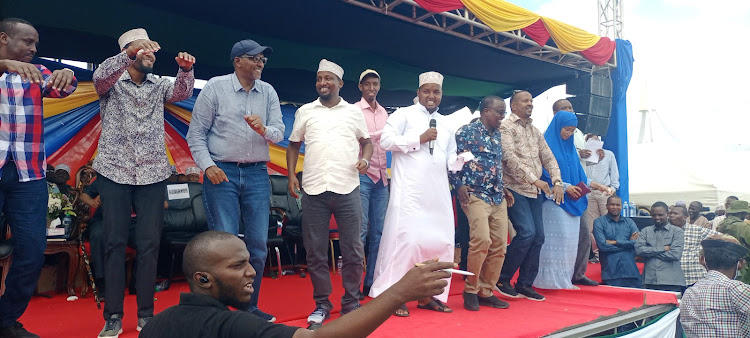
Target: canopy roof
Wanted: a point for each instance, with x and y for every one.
(301, 33)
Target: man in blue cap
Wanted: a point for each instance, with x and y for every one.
(235, 117)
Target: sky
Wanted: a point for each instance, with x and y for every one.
(690, 75)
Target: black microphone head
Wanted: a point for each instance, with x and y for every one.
(433, 123)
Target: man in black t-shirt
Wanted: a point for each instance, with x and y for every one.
(218, 271)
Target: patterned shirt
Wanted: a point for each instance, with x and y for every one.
(691, 265)
(485, 173)
(21, 122)
(702, 221)
(662, 267)
(716, 306)
(524, 153)
(131, 145)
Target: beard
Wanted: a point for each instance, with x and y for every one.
(227, 298)
(143, 69)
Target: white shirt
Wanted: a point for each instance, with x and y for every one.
(331, 137)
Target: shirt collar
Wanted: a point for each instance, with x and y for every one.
(613, 220)
(424, 110)
(666, 227)
(189, 298)
(341, 103)
(363, 104)
(516, 119)
(126, 76)
(237, 86)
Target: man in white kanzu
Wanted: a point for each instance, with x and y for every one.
(419, 221)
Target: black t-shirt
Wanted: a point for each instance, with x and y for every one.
(203, 316)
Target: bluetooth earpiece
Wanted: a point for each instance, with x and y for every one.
(203, 279)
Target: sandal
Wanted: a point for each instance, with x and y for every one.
(435, 305)
(402, 311)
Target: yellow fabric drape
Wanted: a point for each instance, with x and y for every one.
(169, 155)
(500, 15)
(278, 157)
(569, 38)
(182, 113)
(503, 16)
(84, 94)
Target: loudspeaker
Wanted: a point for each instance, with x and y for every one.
(593, 124)
(588, 84)
(592, 105)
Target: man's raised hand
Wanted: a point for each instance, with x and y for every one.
(185, 61)
(61, 79)
(142, 46)
(27, 71)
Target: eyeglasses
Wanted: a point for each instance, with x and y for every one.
(255, 58)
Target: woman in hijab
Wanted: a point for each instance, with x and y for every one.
(562, 222)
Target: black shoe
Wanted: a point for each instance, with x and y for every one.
(365, 291)
(471, 302)
(586, 281)
(16, 330)
(507, 290)
(493, 301)
(594, 260)
(267, 317)
(350, 308)
(528, 292)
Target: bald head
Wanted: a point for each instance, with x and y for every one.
(562, 104)
(200, 251)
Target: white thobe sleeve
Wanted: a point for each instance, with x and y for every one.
(394, 137)
(453, 160)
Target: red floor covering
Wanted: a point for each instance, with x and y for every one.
(289, 299)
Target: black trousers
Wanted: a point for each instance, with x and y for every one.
(148, 203)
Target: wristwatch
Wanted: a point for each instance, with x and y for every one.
(558, 184)
(366, 161)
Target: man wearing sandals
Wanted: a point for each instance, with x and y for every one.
(419, 220)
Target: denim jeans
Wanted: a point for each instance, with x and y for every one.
(374, 204)
(523, 251)
(245, 200)
(25, 207)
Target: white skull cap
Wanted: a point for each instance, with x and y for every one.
(132, 35)
(328, 66)
(430, 77)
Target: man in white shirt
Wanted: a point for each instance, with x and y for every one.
(333, 131)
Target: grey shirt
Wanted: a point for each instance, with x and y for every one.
(218, 131)
(662, 267)
(605, 172)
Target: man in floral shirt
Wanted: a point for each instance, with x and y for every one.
(481, 193)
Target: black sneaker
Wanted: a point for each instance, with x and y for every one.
(585, 281)
(267, 317)
(507, 290)
(528, 292)
(16, 330)
(350, 308)
(112, 328)
(470, 301)
(492, 301)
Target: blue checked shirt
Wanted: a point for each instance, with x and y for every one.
(485, 173)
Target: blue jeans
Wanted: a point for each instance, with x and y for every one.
(523, 251)
(25, 207)
(374, 204)
(245, 199)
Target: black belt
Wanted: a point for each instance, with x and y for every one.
(244, 164)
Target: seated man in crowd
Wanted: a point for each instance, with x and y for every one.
(193, 174)
(616, 235)
(718, 306)
(61, 176)
(217, 268)
(661, 245)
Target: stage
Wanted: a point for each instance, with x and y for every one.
(289, 299)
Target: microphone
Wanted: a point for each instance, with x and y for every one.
(433, 124)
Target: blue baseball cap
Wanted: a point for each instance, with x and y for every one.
(249, 47)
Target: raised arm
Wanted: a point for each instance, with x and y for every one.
(110, 71)
(393, 137)
(275, 124)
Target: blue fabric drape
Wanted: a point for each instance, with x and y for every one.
(617, 137)
(60, 128)
(567, 158)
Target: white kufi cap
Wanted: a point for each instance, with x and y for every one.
(430, 77)
(328, 66)
(132, 35)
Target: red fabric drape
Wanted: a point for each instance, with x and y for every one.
(437, 6)
(79, 150)
(601, 52)
(178, 147)
(537, 32)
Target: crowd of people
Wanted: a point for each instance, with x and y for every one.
(558, 196)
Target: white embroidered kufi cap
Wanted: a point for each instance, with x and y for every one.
(430, 77)
(328, 66)
(192, 170)
(132, 35)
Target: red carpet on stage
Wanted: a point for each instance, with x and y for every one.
(290, 300)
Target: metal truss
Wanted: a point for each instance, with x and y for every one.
(463, 24)
(610, 18)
